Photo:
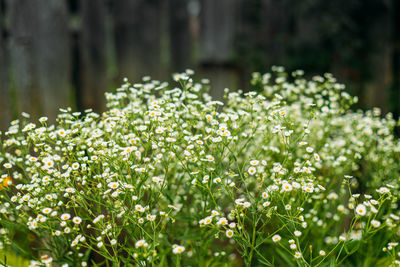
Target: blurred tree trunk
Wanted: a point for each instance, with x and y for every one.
(262, 35)
(22, 56)
(5, 110)
(180, 43)
(217, 30)
(40, 55)
(217, 44)
(395, 89)
(93, 52)
(53, 54)
(137, 29)
(380, 55)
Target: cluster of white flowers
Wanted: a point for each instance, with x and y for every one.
(287, 168)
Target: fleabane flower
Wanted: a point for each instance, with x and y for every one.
(43, 119)
(375, 223)
(252, 170)
(65, 216)
(70, 190)
(113, 185)
(159, 130)
(214, 213)
(276, 238)
(254, 162)
(61, 132)
(286, 187)
(46, 210)
(217, 180)
(139, 208)
(176, 249)
(361, 210)
(222, 221)
(266, 204)
(141, 243)
(207, 220)
(229, 233)
(75, 166)
(297, 233)
(76, 220)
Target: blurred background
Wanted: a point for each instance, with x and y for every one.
(58, 53)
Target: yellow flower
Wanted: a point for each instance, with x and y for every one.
(6, 182)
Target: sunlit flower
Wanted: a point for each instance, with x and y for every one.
(75, 165)
(254, 162)
(65, 216)
(7, 165)
(252, 170)
(177, 249)
(361, 210)
(113, 185)
(375, 223)
(287, 187)
(229, 233)
(141, 243)
(297, 255)
(276, 238)
(76, 220)
(46, 210)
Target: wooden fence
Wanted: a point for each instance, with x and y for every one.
(57, 53)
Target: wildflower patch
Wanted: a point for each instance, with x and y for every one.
(286, 174)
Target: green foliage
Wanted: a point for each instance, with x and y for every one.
(286, 174)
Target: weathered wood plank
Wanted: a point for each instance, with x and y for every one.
(93, 51)
(217, 34)
(395, 61)
(380, 55)
(5, 109)
(217, 30)
(23, 77)
(52, 51)
(40, 55)
(137, 29)
(179, 35)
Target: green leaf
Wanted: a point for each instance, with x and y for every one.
(259, 240)
(352, 246)
(330, 263)
(162, 261)
(384, 261)
(263, 262)
(286, 257)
